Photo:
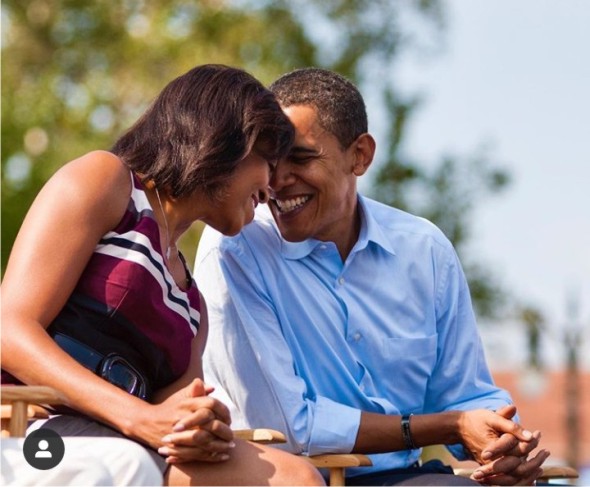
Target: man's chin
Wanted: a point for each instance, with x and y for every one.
(289, 231)
(291, 234)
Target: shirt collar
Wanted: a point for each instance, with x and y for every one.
(370, 232)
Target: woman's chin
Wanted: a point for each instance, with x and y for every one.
(237, 228)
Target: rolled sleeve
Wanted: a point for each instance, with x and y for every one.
(335, 427)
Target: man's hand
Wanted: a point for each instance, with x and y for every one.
(511, 470)
(508, 444)
(488, 435)
(506, 458)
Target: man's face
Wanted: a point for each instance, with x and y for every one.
(313, 190)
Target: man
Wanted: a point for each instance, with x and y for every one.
(348, 324)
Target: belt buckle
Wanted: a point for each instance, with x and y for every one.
(119, 372)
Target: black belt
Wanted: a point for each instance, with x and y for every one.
(111, 367)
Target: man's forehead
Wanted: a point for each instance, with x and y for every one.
(305, 120)
(299, 113)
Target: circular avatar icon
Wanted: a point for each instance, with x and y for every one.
(43, 449)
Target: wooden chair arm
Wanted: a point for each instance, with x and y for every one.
(34, 411)
(334, 462)
(551, 472)
(31, 394)
(337, 462)
(260, 435)
(19, 406)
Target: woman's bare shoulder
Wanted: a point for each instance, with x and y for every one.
(100, 164)
(96, 171)
(96, 183)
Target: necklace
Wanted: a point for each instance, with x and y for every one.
(187, 280)
(167, 228)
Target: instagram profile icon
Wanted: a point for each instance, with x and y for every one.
(43, 449)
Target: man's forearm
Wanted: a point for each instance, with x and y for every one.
(379, 433)
(477, 430)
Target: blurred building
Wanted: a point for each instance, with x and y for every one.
(542, 404)
(551, 394)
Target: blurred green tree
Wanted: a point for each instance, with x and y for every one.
(76, 73)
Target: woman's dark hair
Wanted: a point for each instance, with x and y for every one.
(201, 126)
(339, 104)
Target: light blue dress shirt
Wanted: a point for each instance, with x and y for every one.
(303, 342)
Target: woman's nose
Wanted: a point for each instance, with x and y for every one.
(263, 196)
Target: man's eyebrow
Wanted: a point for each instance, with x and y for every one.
(300, 150)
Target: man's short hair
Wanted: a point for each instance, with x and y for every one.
(339, 104)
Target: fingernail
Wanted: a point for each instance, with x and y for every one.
(527, 434)
(178, 427)
(232, 444)
(486, 455)
(163, 450)
(224, 457)
(478, 474)
(167, 439)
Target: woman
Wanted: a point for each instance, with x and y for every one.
(98, 301)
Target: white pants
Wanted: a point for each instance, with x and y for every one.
(87, 461)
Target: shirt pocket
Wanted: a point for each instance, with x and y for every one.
(409, 363)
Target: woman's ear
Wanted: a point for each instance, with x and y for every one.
(364, 150)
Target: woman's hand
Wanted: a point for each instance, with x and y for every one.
(209, 438)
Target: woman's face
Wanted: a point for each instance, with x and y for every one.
(237, 200)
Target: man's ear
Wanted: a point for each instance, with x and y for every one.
(364, 150)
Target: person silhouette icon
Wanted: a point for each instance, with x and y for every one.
(43, 449)
(43, 452)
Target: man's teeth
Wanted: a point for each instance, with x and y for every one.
(292, 204)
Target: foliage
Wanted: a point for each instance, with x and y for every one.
(76, 73)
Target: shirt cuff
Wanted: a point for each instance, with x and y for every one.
(335, 427)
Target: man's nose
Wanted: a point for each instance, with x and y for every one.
(281, 176)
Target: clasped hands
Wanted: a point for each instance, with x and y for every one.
(503, 451)
(200, 428)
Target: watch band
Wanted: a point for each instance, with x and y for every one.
(406, 432)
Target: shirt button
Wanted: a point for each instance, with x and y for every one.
(357, 336)
(341, 281)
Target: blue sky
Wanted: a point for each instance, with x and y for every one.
(515, 74)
